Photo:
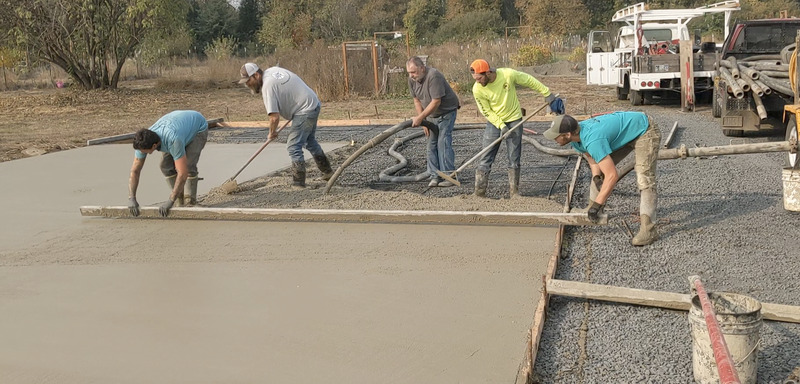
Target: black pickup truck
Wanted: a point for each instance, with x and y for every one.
(754, 44)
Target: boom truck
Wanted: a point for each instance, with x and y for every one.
(643, 59)
(752, 83)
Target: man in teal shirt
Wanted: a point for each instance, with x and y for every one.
(496, 95)
(608, 139)
(181, 136)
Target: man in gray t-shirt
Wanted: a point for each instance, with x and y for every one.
(434, 100)
(287, 95)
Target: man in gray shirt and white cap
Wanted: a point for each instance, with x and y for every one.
(286, 95)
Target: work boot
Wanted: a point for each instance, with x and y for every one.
(298, 174)
(647, 213)
(513, 182)
(191, 191)
(324, 166)
(171, 182)
(481, 182)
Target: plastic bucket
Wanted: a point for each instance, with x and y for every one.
(791, 189)
(739, 318)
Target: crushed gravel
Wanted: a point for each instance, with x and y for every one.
(721, 218)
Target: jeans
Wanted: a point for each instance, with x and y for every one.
(193, 150)
(441, 156)
(302, 134)
(513, 145)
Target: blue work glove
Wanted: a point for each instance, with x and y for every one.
(163, 210)
(133, 206)
(557, 105)
(595, 210)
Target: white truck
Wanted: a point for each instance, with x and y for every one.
(643, 59)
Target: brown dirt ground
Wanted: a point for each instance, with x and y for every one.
(58, 119)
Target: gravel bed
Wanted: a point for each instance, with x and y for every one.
(720, 218)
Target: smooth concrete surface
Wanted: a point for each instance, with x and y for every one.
(91, 300)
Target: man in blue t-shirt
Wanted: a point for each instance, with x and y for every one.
(607, 139)
(181, 136)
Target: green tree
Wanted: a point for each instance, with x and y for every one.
(422, 18)
(570, 16)
(210, 20)
(337, 20)
(286, 25)
(89, 39)
(382, 15)
(250, 12)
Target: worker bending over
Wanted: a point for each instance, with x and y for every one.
(608, 139)
(495, 92)
(181, 136)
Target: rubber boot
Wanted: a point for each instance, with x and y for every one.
(171, 182)
(299, 174)
(324, 166)
(513, 182)
(191, 191)
(647, 213)
(481, 182)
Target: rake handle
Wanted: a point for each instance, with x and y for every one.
(259, 151)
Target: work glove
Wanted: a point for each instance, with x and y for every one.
(557, 105)
(598, 181)
(133, 206)
(163, 210)
(595, 210)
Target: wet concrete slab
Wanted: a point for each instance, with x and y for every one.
(91, 300)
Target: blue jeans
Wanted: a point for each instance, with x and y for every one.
(513, 145)
(440, 147)
(302, 134)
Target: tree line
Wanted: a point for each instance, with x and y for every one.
(92, 39)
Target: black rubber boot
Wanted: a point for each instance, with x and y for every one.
(299, 174)
(191, 191)
(324, 166)
(481, 182)
(171, 182)
(513, 182)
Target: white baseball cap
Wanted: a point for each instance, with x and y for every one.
(248, 69)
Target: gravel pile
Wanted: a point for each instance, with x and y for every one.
(720, 218)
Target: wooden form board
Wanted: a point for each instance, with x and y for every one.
(212, 124)
(353, 216)
(659, 299)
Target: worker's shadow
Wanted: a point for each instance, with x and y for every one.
(695, 211)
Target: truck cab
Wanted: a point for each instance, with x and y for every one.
(758, 44)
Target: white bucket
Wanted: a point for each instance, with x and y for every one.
(791, 189)
(739, 318)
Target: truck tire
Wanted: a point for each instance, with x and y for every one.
(791, 136)
(636, 97)
(733, 132)
(716, 104)
(622, 93)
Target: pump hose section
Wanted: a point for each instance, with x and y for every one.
(374, 142)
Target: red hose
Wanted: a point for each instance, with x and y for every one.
(727, 373)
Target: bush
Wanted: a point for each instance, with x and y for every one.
(578, 55)
(529, 55)
(221, 48)
(471, 25)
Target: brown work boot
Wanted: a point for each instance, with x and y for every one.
(481, 182)
(171, 182)
(324, 166)
(190, 194)
(298, 174)
(513, 182)
(647, 232)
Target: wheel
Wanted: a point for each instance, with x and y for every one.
(733, 132)
(716, 106)
(791, 136)
(636, 97)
